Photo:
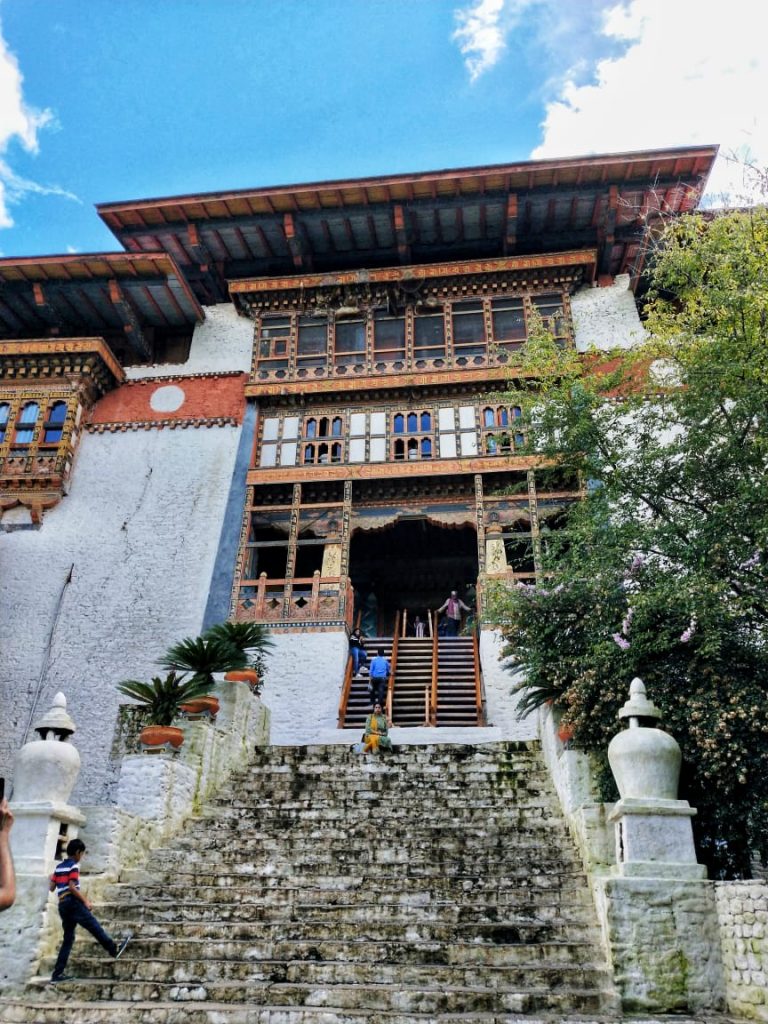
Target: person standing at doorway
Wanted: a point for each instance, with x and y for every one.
(379, 673)
(453, 606)
(418, 627)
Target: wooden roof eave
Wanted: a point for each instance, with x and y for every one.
(406, 187)
(581, 257)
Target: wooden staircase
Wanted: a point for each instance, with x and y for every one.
(355, 703)
(413, 681)
(458, 700)
(435, 681)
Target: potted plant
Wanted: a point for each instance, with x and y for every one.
(162, 699)
(253, 641)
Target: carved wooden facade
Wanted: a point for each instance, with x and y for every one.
(46, 386)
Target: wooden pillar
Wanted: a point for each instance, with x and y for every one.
(480, 518)
(533, 510)
(290, 564)
(346, 528)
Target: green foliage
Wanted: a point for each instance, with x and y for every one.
(251, 638)
(162, 697)
(662, 570)
(202, 656)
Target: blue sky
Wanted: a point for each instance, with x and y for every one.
(103, 100)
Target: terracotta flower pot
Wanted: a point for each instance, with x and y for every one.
(565, 733)
(243, 675)
(201, 706)
(161, 737)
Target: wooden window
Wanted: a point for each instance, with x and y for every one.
(508, 319)
(468, 328)
(53, 427)
(274, 342)
(310, 427)
(312, 344)
(429, 336)
(5, 410)
(388, 336)
(25, 425)
(336, 426)
(550, 308)
(349, 344)
(323, 453)
(416, 445)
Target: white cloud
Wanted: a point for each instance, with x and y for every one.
(23, 123)
(682, 77)
(480, 34)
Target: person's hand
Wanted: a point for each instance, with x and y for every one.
(88, 904)
(6, 818)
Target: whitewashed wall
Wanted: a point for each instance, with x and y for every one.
(302, 685)
(141, 527)
(501, 704)
(606, 317)
(222, 343)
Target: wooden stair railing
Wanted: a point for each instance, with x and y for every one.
(479, 703)
(392, 667)
(345, 691)
(433, 701)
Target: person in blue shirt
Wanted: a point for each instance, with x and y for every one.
(75, 909)
(378, 673)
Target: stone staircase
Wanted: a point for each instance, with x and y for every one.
(436, 885)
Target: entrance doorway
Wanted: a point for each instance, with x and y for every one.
(413, 563)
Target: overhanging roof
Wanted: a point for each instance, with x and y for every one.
(95, 293)
(534, 206)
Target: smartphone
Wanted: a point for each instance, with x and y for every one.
(2, 788)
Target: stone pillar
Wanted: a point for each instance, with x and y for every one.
(654, 838)
(45, 773)
(658, 910)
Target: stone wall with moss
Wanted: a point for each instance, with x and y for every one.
(742, 909)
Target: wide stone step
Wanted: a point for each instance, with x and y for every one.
(402, 999)
(233, 882)
(164, 967)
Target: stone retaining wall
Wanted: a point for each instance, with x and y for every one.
(742, 911)
(155, 796)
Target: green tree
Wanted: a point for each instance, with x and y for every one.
(662, 569)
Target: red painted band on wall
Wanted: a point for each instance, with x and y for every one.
(177, 398)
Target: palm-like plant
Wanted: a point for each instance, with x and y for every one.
(251, 638)
(202, 656)
(162, 697)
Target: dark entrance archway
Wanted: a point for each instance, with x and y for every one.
(412, 563)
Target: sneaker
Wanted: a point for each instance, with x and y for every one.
(122, 944)
(62, 977)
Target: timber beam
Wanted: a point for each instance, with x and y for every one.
(401, 233)
(206, 262)
(302, 258)
(131, 326)
(510, 229)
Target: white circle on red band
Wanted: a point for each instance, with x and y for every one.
(168, 398)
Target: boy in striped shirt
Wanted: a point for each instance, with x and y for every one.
(75, 909)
